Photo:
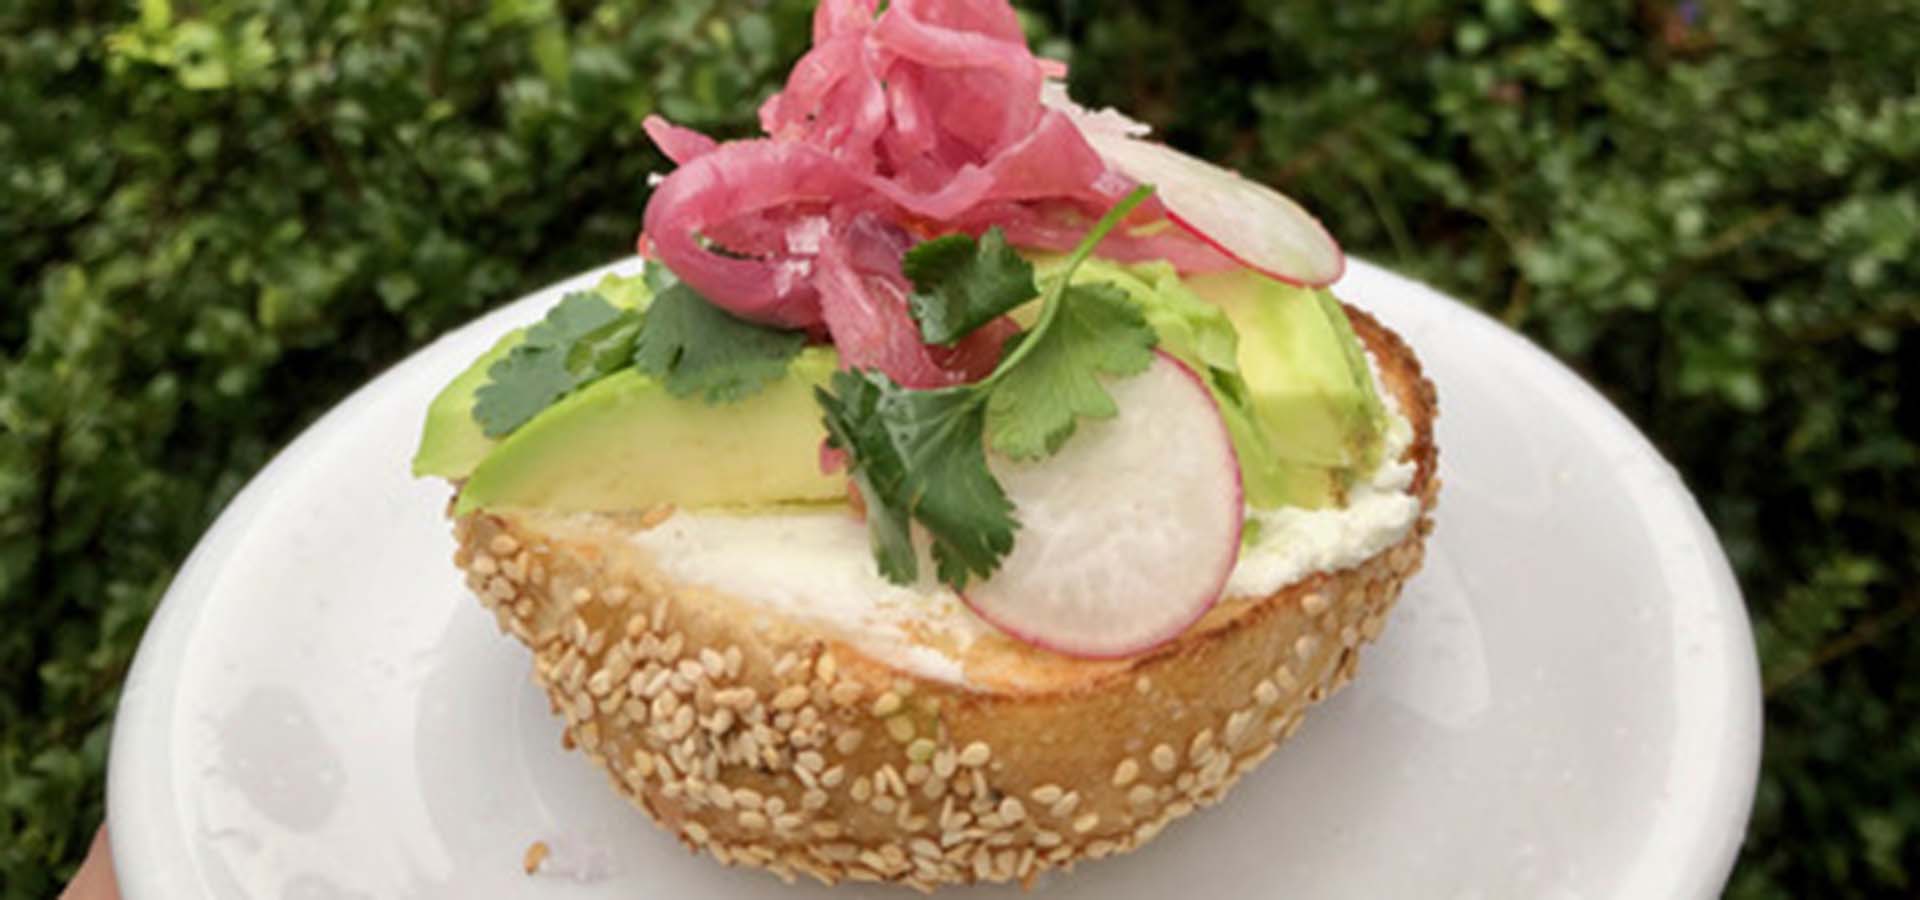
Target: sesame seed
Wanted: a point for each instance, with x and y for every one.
(696, 832)
(713, 662)
(848, 741)
(1011, 810)
(1066, 805)
(1125, 773)
(1086, 823)
(1046, 794)
(845, 694)
(785, 665)
(862, 789)
(1143, 684)
(921, 750)
(811, 761)
(1266, 693)
(636, 625)
(975, 755)
(1237, 727)
(883, 804)
(918, 773)
(790, 698)
(833, 777)
(889, 778)
(945, 762)
(900, 728)
(718, 795)
(825, 667)
(1313, 603)
(1349, 636)
(775, 806)
(536, 854)
(1046, 839)
(753, 820)
(737, 698)
(734, 659)
(1201, 743)
(887, 705)
(1164, 758)
(935, 788)
(747, 798)
(1285, 678)
(813, 800)
(1305, 645)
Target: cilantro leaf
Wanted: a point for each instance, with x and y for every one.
(695, 347)
(876, 467)
(1095, 331)
(920, 455)
(581, 339)
(526, 381)
(960, 284)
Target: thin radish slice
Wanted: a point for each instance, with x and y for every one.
(1256, 225)
(1128, 534)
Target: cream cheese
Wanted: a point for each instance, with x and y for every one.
(817, 566)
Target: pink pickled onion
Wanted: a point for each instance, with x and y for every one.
(926, 118)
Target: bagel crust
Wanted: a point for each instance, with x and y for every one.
(777, 745)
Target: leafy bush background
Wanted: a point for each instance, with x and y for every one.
(216, 218)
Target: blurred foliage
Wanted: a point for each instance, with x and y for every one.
(216, 218)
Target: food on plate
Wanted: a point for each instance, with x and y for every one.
(966, 487)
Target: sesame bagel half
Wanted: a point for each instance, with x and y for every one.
(778, 744)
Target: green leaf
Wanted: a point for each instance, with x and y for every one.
(518, 387)
(695, 347)
(582, 339)
(919, 455)
(1097, 332)
(960, 284)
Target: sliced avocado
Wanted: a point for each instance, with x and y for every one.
(451, 443)
(624, 443)
(1310, 389)
(1283, 364)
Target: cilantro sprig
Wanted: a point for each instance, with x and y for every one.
(691, 345)
(920, 455)
(695, 347)
(582, 339)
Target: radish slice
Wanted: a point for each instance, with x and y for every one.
(1128, 534)
(1256, 225)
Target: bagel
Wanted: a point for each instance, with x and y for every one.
(778, 741)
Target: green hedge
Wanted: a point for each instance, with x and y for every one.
(216, 218)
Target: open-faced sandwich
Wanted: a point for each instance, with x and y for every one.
(969, 487)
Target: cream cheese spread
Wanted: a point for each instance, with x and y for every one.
(817, 566)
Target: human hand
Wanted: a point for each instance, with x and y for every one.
(95, 880)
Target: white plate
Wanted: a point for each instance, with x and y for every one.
(1565, 704)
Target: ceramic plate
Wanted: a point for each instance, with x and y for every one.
(1564, 705)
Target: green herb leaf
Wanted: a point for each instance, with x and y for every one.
(919, 455)
(960, 284)
(582, 339)
(695, 347)
(1096, 332)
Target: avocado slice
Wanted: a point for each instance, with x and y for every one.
(1310, 390)
(624, 443)
(451, 442)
